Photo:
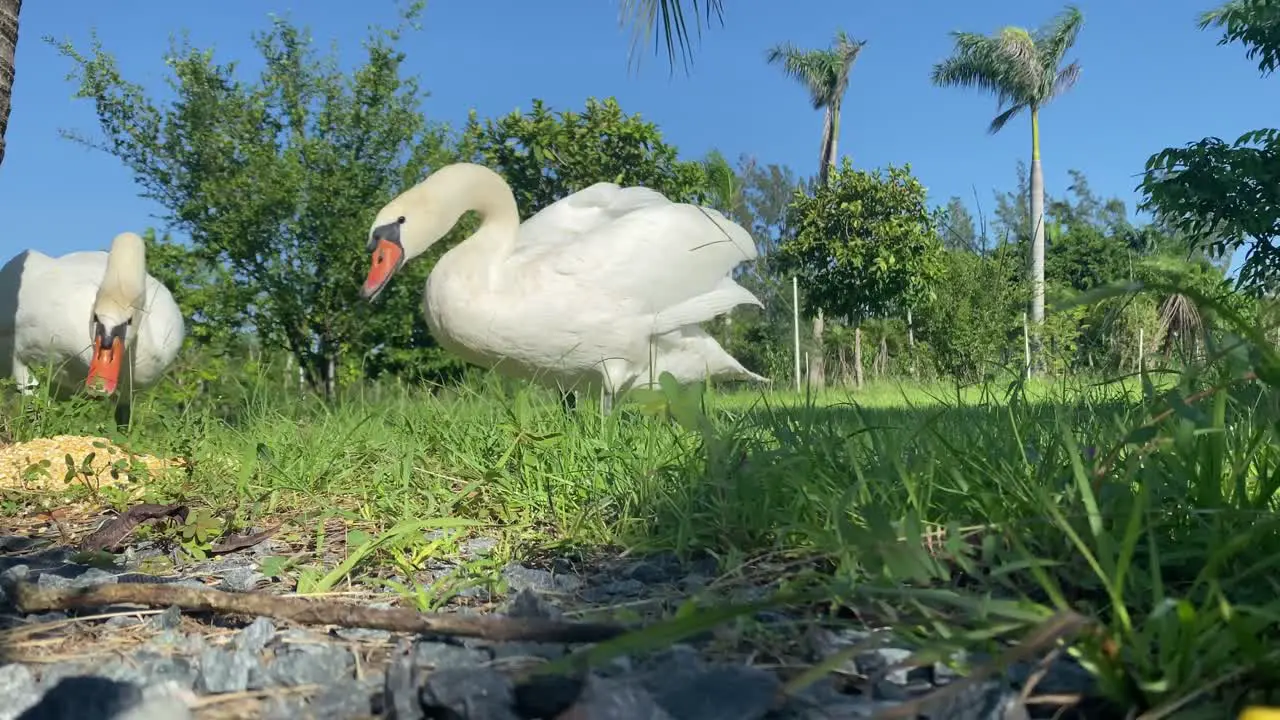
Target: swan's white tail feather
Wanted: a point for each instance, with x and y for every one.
(691, 355)
(726, 296)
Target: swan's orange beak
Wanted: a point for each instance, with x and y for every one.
(104, 369)
(386, 259)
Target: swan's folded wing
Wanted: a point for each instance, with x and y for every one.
(569, 217)
(662, 257)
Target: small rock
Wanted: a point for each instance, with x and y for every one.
(528, 604)
(880, 659)
(447, 655)
(647, 572)
(477, 547)
(18, 688)
(399, 689)
(223, 671)
(676, 660)
(255, 635)
(609, 591)
(519, 577)
(14, 574)
(347, 699)
(123, 621)
(475, 694)
(167, 620)
(616, 700)
(694, 582)
(307, 664)
(546, 696)
(722, 693)
(240, 579)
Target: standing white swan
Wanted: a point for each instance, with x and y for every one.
(571, 297)
(97, 317)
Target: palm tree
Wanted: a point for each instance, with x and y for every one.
(825, 74)
(1024, 71)
(667, 16)
(9, 10)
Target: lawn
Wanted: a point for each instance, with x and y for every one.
(967, 515)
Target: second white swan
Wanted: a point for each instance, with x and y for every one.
(573, 296)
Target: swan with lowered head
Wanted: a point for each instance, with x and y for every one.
(573, 296)
(97, 317)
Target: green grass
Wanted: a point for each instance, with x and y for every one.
(1034, 498)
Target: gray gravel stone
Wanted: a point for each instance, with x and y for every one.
(616, 700)
(720, 693)
(240, 579)
(347, 699)
(167, 620)
(447, 655)
(89, 578)
(528, 604)
(519, 578)
(475, 694)
(308, 664)
(223, 671)
(546, 696)
(255, 635)
(18, 688)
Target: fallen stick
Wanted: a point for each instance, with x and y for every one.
(29, 599)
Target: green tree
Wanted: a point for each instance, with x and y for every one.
(959, 233)
(863, 244)
(972, 323)
(1024, 71)
(545, 156)
(1226, 196)
(273, 177)
(9, 12)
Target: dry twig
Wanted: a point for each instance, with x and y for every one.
(30, 598)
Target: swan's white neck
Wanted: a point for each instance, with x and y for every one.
(475, 187)
(124, 283)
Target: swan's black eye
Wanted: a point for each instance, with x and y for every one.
(400, 220)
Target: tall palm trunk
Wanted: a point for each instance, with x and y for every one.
(1037, 237)
(826, 161)
(9, 10)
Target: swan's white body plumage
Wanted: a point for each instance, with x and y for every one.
(574, 298)
(46, 308)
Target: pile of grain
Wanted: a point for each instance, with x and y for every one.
(17, 458)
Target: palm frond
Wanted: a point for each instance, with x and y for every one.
(1065, 80)
(999, 121)
(643, 16)
(825, 73)
(806, 67)
(1053, 43)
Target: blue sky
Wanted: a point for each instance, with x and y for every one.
(1151, 79)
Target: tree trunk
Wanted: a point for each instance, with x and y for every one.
(9, 11)
(824, 152)
(1037, 240)
(817, 368)
(857, 357)
(882, 357)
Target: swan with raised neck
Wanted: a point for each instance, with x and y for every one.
(420, 216)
